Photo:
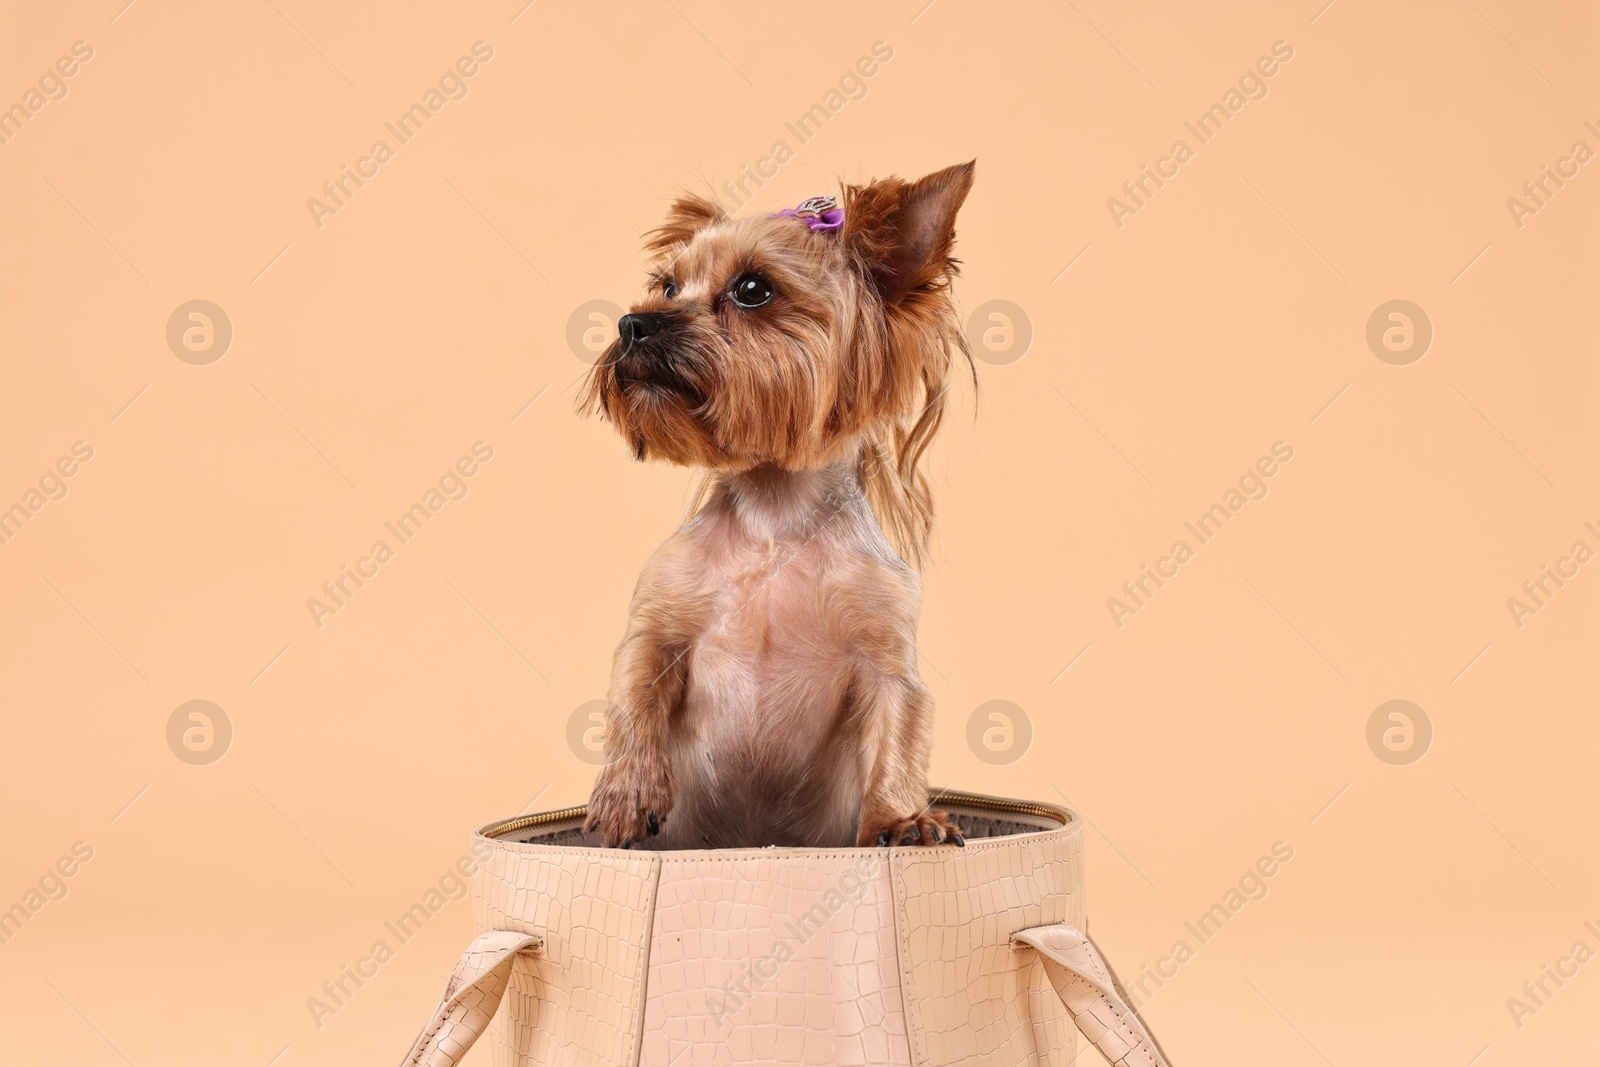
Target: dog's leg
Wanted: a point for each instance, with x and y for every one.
(633, 792)
(894, 739)
(891, 711)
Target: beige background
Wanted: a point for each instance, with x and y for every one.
(1225, 315)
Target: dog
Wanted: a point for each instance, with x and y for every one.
(766, 690)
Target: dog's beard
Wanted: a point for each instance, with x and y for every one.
(657, 398)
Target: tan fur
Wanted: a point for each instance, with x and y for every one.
(766, 690)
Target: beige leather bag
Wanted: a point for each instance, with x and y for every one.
(870, 956)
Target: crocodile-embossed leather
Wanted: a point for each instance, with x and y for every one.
(890, 957)
(470, 999)
(1085, 985)
(788, 957)
(966, 985)
(580, 1000)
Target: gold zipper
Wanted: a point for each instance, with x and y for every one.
(987, 803)
(966, 800)
(538, 818)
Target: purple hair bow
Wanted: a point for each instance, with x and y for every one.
(819, 213)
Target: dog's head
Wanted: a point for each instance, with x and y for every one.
(796, 339)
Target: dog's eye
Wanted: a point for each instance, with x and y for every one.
(751, 291)
(669, 288)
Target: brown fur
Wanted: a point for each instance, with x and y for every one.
(766, 690)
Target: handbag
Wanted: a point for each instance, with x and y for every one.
(833, 956)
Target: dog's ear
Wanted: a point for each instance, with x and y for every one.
(902, 232)
(688, 215)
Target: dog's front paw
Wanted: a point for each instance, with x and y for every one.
(629, 803)
(923, 828)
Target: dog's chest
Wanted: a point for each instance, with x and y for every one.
(772, 658)
(775, 613)
(763, 716)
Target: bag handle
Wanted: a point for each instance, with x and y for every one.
(1089, 992)
(470, 998)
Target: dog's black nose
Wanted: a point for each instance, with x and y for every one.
(638, 327)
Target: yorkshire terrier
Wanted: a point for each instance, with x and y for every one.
(766, 691)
